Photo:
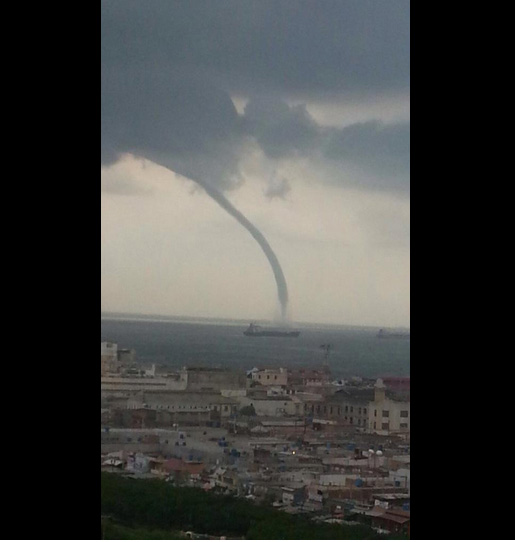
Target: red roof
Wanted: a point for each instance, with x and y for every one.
(400, 383)
(178, 465)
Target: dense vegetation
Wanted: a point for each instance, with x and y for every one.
(112, 530)
(248, 410)
(154, 504)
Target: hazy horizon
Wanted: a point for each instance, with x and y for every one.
(116, 315)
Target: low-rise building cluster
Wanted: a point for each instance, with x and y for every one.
(292, 437)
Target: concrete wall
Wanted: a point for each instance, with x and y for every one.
(271, 407)
(135, 384)
(182, 401)
(109, 349)
(271, 377)
(332, 479)
(234, 393)
(402, 476)
(126, 356)
(213, 379)
(394, 419)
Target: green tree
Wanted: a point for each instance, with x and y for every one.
(248, 410)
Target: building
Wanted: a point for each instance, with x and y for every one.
(271, 377)
(393, 521)
(109, 358)
(193, 379)
(183, 407)
(397, 383)
(350, 406)
(293, 494)
(126, 356)
(213, 379)
(114, 358)
(309, 377)
(129, 385)
(109, 350)
(273, 405)
(388, 415)
(226, 478)
(177, 468)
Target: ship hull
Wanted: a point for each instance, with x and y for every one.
(291, 334)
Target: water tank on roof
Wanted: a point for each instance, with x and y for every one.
(358, 482)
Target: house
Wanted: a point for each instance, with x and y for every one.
(226, 478)
(308, 377)
(390, 500)
(393, 521)
(293, 494)
(177, 468)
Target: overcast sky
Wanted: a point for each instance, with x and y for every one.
(298, 113)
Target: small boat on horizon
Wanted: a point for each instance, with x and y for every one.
(257, 331)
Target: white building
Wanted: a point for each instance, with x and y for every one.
(109, 351)
(386, 415)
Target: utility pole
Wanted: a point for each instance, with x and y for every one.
(327, 349)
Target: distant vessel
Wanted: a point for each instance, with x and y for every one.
(382, 334)
(257, 331)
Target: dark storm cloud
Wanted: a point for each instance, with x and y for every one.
(381, 150)
(168, 68)
(281, 130)
(297, 46)
(169, 115)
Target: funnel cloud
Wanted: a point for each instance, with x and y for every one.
(226, 93)
(282, 288)
(191, 129)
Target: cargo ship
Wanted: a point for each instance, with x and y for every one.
(257, 331)
(382, 334)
